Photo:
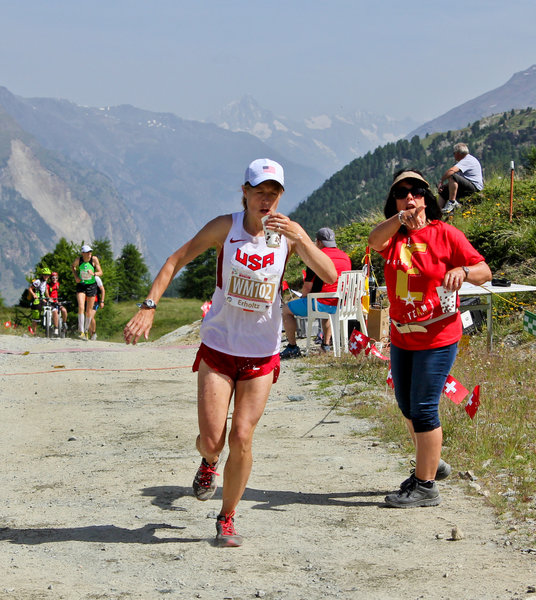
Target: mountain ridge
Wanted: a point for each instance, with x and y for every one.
(518, 92)
(327, 142)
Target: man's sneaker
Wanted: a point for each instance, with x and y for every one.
(325, 348)
(443, 471)
(204, 484)
(226, 536)
(450, 206)
(291, 351)
(56, 331)
(83, 335)
(414, 493)
(93, 337)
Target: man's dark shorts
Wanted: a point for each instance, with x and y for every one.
(90, 290)
(465, 187)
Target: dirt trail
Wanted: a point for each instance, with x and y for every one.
(98, 458)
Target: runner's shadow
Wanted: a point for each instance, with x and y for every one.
(105, 534)
(165, 496)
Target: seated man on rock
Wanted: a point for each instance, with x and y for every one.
(462, 179)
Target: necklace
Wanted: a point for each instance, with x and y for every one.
(408, 243)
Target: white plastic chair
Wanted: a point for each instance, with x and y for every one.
(350, 290)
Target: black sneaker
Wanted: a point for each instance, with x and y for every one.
(443, 471)
(325, 348)
(414, 493)
(226, 536)
(291, 351)
(204, 484)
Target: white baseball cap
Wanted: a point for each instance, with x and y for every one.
(86, 248)
(264, 169)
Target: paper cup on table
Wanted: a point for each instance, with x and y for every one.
(273, 239)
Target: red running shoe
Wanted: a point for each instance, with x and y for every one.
(226, 536)
(204, 484)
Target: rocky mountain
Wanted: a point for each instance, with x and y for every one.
(324, 142)
(518, 92)
(119, 172)
(44, 197)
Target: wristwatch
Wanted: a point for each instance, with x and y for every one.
(148, 304)
(466, 271)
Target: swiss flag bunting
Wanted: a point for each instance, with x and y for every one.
(473, 403)
(357, 342)
(205, 307)
(375, 352)
(454, 390)
(389, 380)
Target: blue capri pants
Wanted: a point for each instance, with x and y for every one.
(419, 378)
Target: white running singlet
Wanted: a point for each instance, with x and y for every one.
(245, 316)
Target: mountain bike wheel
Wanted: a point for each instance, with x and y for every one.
(61, 326)
(48, 323)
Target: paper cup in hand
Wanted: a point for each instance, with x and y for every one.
(273, 239)
(447, 299)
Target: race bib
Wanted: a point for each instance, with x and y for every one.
(86, 272)
(251, 290)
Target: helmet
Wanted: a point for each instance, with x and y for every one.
(54, 274)
(45, 271)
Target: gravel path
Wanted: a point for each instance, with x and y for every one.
(98, 452)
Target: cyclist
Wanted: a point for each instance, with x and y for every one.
(99, 302)
(53, 289)
(85, 268)
(37, 292)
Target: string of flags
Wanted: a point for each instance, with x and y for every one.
(359, 341)
(453, 389)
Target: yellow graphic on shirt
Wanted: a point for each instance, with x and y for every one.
(402, 277)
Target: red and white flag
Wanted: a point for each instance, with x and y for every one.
(454, 390)
(205, 307)
(357, 342)
(375, 352)
(473, 403)
(389, 380)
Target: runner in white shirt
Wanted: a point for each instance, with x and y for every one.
(239, 354)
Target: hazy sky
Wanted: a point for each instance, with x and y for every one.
(297, 58)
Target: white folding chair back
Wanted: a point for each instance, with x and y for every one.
(350, 290)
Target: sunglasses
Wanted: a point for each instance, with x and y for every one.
(401, 192)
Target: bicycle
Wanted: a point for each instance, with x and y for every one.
(46, 316)
(48, 321)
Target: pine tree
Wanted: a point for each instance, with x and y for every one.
(133, 277)
(198, 279)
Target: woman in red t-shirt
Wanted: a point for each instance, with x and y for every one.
(426, 262)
